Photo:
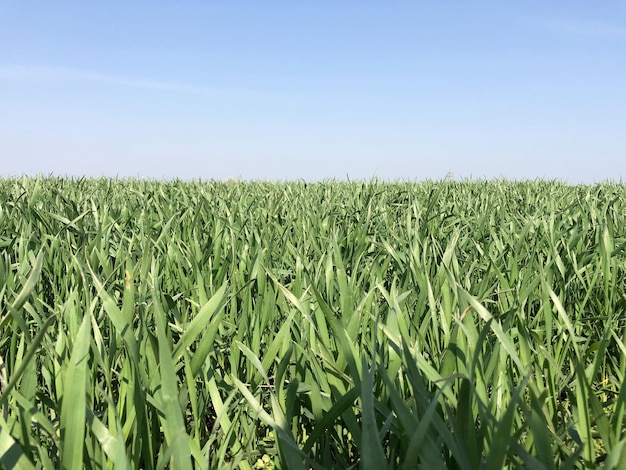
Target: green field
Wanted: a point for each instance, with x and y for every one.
(332, 325)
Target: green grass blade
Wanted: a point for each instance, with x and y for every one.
(170, 413)
(73, 409)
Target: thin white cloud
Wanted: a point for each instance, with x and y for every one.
(585, 28)
(61, 74)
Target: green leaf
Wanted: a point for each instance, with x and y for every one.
(170, 414)
(73, 409)
(372, 453)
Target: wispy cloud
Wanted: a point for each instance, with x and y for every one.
(585, 28)
(64, 74)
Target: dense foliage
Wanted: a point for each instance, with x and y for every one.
(327, 325)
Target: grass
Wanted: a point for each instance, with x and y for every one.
(205, 325)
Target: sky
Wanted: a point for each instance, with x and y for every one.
(314, 90)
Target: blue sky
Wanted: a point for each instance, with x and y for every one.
(321, 89)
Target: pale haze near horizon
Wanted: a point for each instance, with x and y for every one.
(314, 90)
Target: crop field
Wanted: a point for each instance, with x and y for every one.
(210, 325)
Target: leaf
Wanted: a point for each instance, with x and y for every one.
(73, 409)
(170, 413)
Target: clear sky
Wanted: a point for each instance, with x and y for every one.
(310, 89)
